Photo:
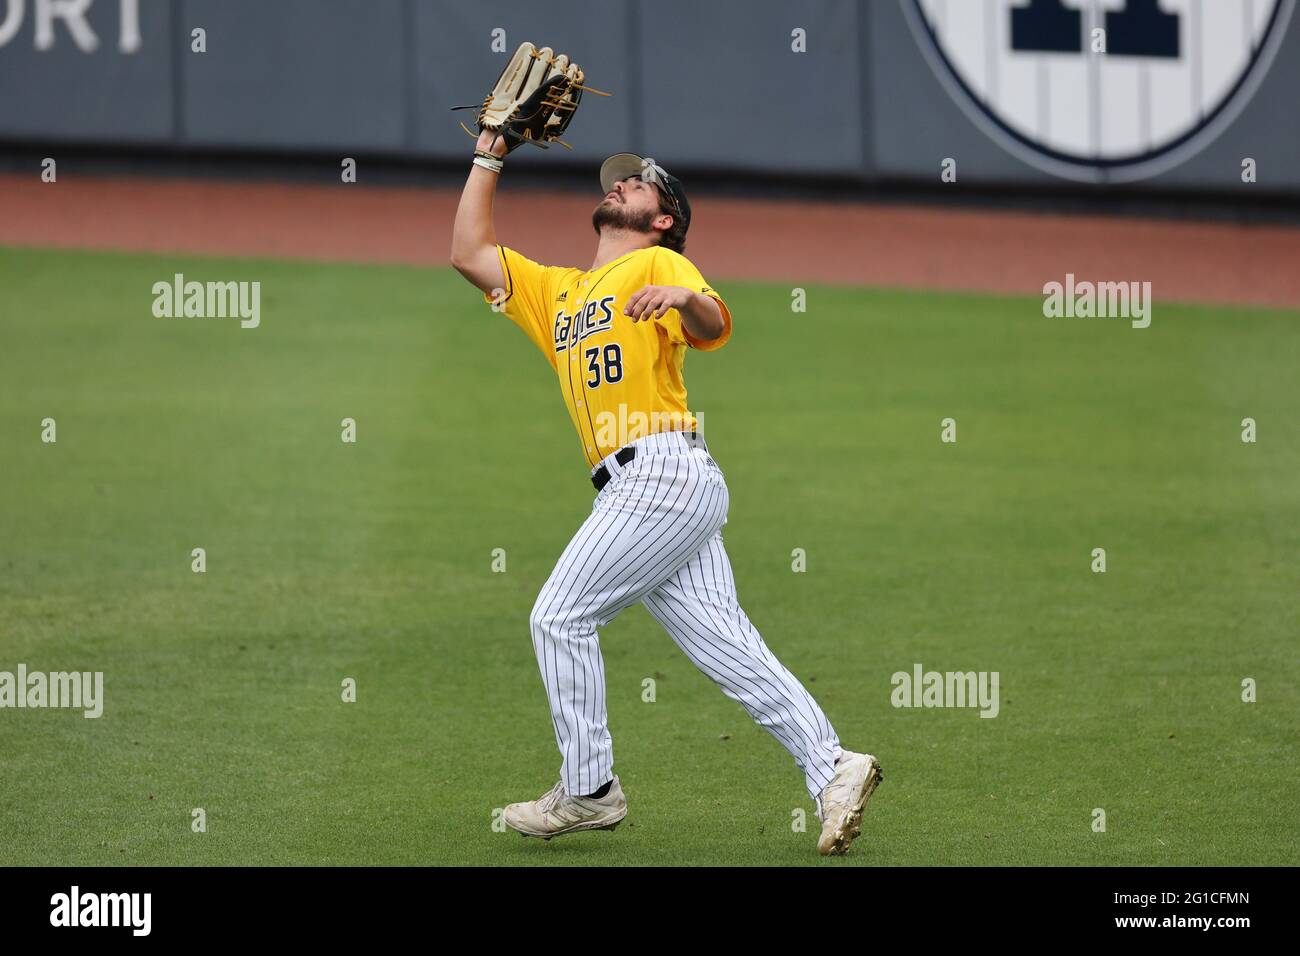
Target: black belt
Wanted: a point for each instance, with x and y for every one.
(600, 477)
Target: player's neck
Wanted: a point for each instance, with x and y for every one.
(614, 243)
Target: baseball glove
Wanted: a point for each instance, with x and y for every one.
(534, 98)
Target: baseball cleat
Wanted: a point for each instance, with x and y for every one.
(556, 813)
(844, 799)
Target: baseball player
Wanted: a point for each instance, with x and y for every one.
(616, 337)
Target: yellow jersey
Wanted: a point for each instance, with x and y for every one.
(621, 380)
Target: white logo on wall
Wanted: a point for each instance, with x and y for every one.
(50, 18)
(1173, 75)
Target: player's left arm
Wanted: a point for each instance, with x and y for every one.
(701, 314)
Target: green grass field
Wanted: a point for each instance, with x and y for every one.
(325, 560)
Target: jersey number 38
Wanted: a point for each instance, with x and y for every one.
(604, 364)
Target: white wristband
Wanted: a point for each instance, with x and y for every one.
(492, 165)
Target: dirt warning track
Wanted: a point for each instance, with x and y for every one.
(780, 241)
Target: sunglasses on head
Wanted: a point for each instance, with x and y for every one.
(654, 173)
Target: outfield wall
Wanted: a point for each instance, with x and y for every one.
(881, 89)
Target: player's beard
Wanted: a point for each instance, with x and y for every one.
(611, 213)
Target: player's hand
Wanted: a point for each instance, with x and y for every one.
(493, 142)
(653, 301)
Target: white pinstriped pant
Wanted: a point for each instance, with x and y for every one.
(654, 535)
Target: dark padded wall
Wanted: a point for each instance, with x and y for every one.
(700, 85)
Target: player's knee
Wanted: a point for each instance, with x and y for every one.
(551, 619)
(543, 620)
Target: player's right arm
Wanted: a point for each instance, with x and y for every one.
(473, 237)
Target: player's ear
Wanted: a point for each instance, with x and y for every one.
(664, 222)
